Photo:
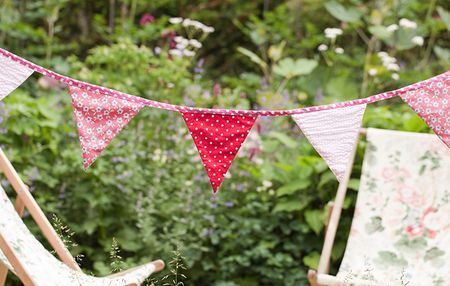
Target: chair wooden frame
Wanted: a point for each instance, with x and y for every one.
(334, 215)
(25, 200)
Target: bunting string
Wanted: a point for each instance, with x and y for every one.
(171, 107)
(101, 113)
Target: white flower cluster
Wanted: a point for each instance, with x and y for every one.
(185, 47)
(417, 40)
(390, 63)
(192, 23)
(408, 24)
(332, 33)
(323, 48)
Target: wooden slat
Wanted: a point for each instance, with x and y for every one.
(333, 222)
(36, 213)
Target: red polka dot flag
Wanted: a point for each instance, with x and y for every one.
(218, 139)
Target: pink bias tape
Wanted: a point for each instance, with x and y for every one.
(179, 108)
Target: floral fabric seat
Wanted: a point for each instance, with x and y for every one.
(44, 268)
(400, 233)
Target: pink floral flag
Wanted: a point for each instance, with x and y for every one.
(218, 139)
(12, 75)
(99, 119)
(333, 133)
(432, 103)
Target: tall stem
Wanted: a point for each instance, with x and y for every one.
(365, 82)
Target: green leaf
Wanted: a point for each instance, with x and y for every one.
(445, 16)
(312, 260)
(341, 13)
(353, 184)
(315, 220)
(253, 57)
(276, 51)
(292, 187)
(289, 68)
(290, 205)
(380, 32)
(442, 53)
(374, 225)
(285, 139)
(387, 258)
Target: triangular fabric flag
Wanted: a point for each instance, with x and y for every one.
(218, 139)
(432, 103)
(99, 119)
(333, 133)
(12, 74)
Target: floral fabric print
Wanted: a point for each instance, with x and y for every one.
(218, 139)
(400, 233)
(43, 267)
(99, 119)
(432, 104)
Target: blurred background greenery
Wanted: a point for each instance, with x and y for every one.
(149, 190)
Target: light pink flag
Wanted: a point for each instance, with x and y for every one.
(333, 133)
(432, 104)
(99, 119)
(12, 75)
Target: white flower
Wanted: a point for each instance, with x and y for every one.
(408, 24)
(332, 33)
(392, 28)
(373, 72)
(181, 46)
(395, 76)
(322, 48)
(195, 43)
(175, 52)
(390, 63)
(188, 53)
(339, 50)
(418, 40)
(187, 22)
(175, 20)
(208, 29)
(392, 67)
(267, 184)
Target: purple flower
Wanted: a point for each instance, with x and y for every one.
(146, 19)
(217, 90)
(240, 187)
(229, 204)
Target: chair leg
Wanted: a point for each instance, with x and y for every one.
(3, 274)
(312, 277)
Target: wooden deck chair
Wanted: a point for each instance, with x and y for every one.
(25, 256)
(400, 234)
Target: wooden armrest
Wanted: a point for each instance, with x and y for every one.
(159, 265)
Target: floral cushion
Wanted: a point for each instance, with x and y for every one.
(43, 267)
(400, 233)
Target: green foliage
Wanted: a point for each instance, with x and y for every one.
(149, 189)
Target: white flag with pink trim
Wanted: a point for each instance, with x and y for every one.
(12, 74)
(333, 133)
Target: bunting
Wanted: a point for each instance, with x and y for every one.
(333, 133)
(12, 75)
(218, 139)
(432, 104)
(99, 119)
(218, 134)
